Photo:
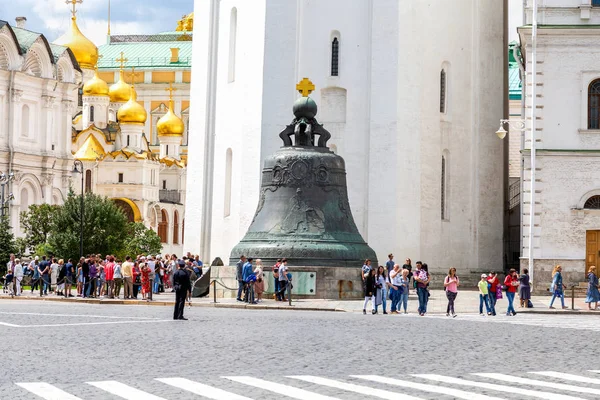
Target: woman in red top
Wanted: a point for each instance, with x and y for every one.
(511, 282)
(492, 289)
(145, 281)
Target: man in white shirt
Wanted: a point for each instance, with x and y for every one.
(18, 276)
(395, 278)
(283, 278)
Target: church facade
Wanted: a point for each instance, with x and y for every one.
(567, 203)
(412, 113)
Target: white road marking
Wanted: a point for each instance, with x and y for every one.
(201, 389)
(95, 323)
(72, 315)
(500, 388)
(457, 394)
(568, 377)
(382, 394)
(124, 391)
(47, 391)
(533, 382)
(279, 388)
(11, 325)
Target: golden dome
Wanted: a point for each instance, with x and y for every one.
(170, 124)
(86, 52)
(119, 91)
(132, 112)
(95, 86)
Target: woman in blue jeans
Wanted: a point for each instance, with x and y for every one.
(557, 287)
(395, 288)
(404, 281)
(511, 282)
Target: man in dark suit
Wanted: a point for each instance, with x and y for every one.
(238, 272)
(182, 286)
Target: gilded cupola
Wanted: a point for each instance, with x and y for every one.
(170, 124)
(132, 112)
(119, 91)
(84, 50)
(95, 86)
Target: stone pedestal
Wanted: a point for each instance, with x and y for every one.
(309, 282)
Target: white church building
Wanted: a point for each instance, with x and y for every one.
(567, 203)
(412, 100)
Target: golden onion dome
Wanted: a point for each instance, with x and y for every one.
(132, 112)
(85, 52)
(95, 86)
(119, 91)
(170, 124)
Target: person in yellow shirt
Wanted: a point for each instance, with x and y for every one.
(127, 271)
(484, 295)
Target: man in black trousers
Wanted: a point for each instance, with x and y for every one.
(182, 286)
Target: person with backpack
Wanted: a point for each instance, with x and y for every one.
(275, 270)
(451, 284)
(249, 278)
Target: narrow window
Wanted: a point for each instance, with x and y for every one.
(232, 43)
(596, 3)
(80, 97)
(167, 149)
(120, 177)
(176, 227)
(443, 91)
(228, 165)
(443, 189)
(91, 113)
(25, 120)
(88, 181)
(335, 57)
(594, 105)
(127, 140)
(164, 185)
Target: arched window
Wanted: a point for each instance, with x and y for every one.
(91, 113)
(335, 56)
(163, 226)
(88, 181)
(176, 227)
(25, 120)
(593, 203)
(443, 91)
(24, 199)
(444, 188)
(594, 105)
(232, 43)
(228, 166)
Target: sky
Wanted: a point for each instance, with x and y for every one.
(51, 17)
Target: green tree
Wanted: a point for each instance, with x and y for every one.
(104, 227)
(141, 240)
(36, 222)
(7, 242)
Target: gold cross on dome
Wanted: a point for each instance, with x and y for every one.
(122, 60)
(74, 5)
(170, 89)
(305, 87)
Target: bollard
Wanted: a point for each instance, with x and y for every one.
(214, 291)
(572, 297)
(151, 289)
(289, 292)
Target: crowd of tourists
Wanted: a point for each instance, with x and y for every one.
(250, 278)
(95, 276)
(394, 282)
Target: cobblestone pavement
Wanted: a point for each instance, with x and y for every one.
(85, 351)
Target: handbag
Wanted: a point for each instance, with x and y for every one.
(498, 292)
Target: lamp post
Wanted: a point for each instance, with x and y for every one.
(78, 169)
(4, 181)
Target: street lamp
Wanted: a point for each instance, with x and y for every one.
(78, 169)
(4, 181)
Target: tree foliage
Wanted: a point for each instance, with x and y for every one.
(104, 227)
(7, 242)
(141, 240)
(36, 222)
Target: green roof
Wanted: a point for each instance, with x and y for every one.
(147, 51)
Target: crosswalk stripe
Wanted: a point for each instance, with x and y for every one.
(534, 382)
(500, 388)
(597, 371)
(47, 391)
(382, 394)
(201, 389)
(279, 388)
(457, 394)
(124, 391)
(568, 377)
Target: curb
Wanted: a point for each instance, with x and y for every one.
(172, 303)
